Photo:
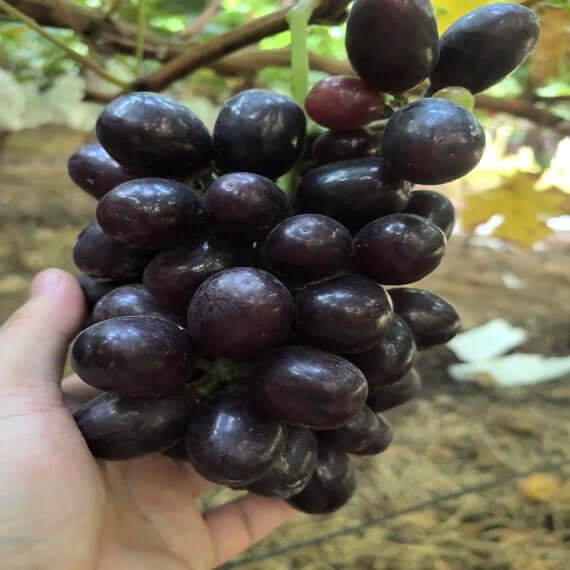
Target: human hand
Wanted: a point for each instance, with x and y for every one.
(59, 507)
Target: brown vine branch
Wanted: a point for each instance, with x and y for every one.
(199, 23)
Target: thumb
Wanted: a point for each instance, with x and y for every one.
(34, 340)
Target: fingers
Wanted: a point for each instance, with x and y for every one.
(237, 525)
(34, 340)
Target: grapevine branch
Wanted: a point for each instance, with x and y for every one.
(200, 22)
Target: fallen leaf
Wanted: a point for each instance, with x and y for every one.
(539, 487)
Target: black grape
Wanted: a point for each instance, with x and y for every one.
(334, 146)
(116, 427)
(343, 102)
(231, 442)
(174, 275)
(259, 131)
(93, 170)
(104, 259)
(392, 44)
(240, 312)
(307, 247)
(178, 451)
(246, 206)
(160, 213)
(398, 249)
(382, 398)
(391, 358)
(347, 314)
(332, 485)
(431, 319)
(309, 387)
(93, 290)
(293, 469)
(153, 134)
(366, 434)
(433, 206)
(133, 356)
(354, 192)
(132, 301)
(432, 141)
(484, 46)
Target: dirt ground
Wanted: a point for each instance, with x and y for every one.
(509, 447)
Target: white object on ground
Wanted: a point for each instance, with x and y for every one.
(513, 370)
(487, 341)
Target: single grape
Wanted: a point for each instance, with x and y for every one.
(246, 206)
(92, 290)
(240, 312)
(94, 171)
(155, 135)
(431, 319)
(342, 103)
(306, 386)
(365, 433)
(307, 247)
(332, 485)
(132, 301)
(382, 398)
(334, 146)
(133, 356)
(259, 131)
(354, 192)
(398, 249)
(391, 358)
(151, 213)
(458, 95)
(116, 427)
(392, 44)
(293, 468)
(432, 141)
(231, 442)
(433, 206)
(174, 275)
(346, 314)
(485, 45)
(106, 260)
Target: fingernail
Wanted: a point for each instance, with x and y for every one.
(45, 282)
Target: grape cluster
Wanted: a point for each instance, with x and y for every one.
(252, 334)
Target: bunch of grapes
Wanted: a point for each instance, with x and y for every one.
(249, 332)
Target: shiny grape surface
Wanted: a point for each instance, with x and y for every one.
(133, 356)
(259, 131)
(93, 170)
(388, 396)
(240, 313)
(334, 146)
(231, 442)
(307, 247)
(116, 427)
(294, 467)
(309, 387)
(354, 192)
(434, 207)
(391, 358)
(332, 485)
(398, 249)
(161, 213)
(392, 44)
(246, 206)
(132, 301)
(155, 135)
(431, 319)
(92, 290)
(346, 314)
(433, 141)
(174, 275)
(485, 45)
(342, 102)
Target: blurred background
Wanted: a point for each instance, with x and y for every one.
(478, 475)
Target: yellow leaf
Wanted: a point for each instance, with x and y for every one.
(521, 211)
(539, 487)
(447, 11)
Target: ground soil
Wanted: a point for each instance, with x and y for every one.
(454, 437)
